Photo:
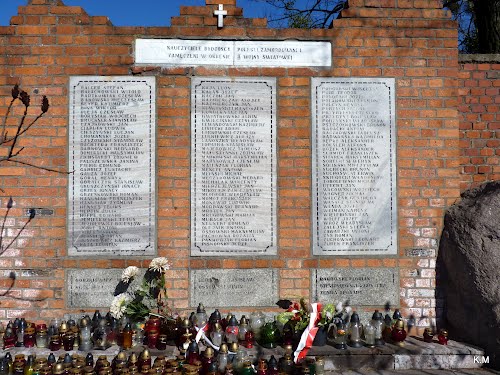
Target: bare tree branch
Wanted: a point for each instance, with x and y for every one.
(11, 157)
(12, 153)
(32, 216)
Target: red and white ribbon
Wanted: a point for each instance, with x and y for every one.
(309, 333)
(200, 332)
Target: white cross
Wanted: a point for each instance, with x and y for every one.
(220, 13)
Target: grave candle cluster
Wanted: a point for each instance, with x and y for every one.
(205, 344)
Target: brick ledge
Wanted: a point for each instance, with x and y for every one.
(479, 58)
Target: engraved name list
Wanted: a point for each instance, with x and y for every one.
(111, 194)
(354, 158)
(233, 167)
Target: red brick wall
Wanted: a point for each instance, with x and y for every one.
(413, 41)
(479, 112)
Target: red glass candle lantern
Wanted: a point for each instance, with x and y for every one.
(428, 335)
(55, 343)
(152, 338)
(398, 334)
(249, 339)
(29, 337)
(443, 337)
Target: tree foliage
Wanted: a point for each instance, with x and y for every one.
(478, 20)
(305, 14)
(479, 24)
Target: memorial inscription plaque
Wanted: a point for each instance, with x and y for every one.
(234, 287)
(235, 53)
(95, 287)
(354, 166)
(91, 287)
(111, 209)
(358, 286)
(233, 167)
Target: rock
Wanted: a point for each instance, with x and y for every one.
(469, 269)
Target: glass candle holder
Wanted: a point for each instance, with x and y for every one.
(249, 339)
(152, 339)
(340, 334)
(42, 338)
(161, 343)
(126, 337)
(9, 341)
(378, 323)
(29, 337)
(68, 341)
(428, 335)
(369, 335)
(355, 331)
(55, 343)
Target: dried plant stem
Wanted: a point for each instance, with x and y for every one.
(3, 227)
(3, 136)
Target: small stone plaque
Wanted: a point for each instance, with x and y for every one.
(354, 166)
(234, 287)
(358, 286)
(39, 212)
(111, 205)
(233, 53)
(233, 167)
(424, 253)
(89, 288)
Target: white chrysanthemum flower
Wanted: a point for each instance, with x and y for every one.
(119, 305)
(329, 315)
(159, 264)
(339, 307)
(129, 273)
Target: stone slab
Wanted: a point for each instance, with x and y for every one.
(111, 193)
(181, 52)
(221, 288)
(91, 288)
(95, 287)
(233, 167)
(282, 53)
(358, 286)
(354, 166)
(424, 253)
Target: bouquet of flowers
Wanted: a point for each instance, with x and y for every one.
(136, 300)
(298, 314)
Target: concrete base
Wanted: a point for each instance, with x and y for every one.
(415, 354)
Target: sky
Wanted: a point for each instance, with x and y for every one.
(133, 12)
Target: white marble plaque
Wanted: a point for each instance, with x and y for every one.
(282, 53)
(233, 53)
(183, 52)
(96, 287)
(357, 286)
(234, 287)
(91, 288)
(354, 166)
(233, 166)
(111, 202)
